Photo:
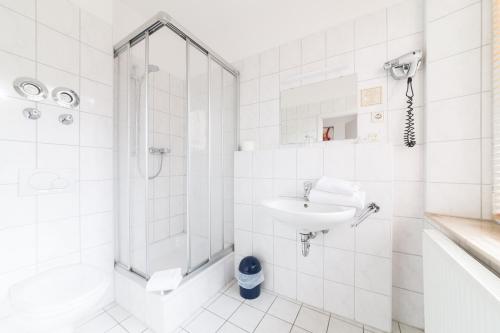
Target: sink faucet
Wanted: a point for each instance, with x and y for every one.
(307, 189)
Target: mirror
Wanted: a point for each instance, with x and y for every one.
(323, 111)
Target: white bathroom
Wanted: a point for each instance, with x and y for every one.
(322, 166)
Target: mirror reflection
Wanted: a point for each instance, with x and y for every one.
(323, 111)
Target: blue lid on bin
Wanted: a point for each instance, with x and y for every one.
(250, 265)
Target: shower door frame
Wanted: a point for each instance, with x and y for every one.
(157, 22)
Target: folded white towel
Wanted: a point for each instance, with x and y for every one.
(356, 200)
(335, 185)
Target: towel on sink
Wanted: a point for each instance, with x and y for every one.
(337, 186)
(357, 199)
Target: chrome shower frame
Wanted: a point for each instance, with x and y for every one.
(143, 33)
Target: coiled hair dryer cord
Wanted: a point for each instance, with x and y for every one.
(409, 134)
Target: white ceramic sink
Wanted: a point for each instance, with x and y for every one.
(308, 216)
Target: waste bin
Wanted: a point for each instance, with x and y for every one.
(250, 277)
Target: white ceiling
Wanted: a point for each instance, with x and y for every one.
(238, 28)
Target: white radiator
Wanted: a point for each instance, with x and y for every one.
(460, 295)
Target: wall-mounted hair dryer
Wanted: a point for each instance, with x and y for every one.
(405, 67)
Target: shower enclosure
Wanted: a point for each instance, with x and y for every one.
(175, 134)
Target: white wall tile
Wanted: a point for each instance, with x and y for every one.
(409, 163)
(340, 65)
(408, 307)
(242, 242)
(13, 67)
(96, 32)
(309, 163)
(270, 61)
(374, 237)
(454, 162)
(373, 273)
(269, 87)
(96, 163)
(96, 196)
(269, 113)
(310, 290)
(249, 92)
(409, 199)
(313, 48)
(15, 156)
(285, 282)
(96, 131)
(454, 76)
(368, 61)
(96, 98)
(96, 65)
(454, 199)
(454, 119)
(407, 235)
(263, 247)
(341, 236)
(407, 272)
(25, 7)
(17, 34)
(263, 164)
(60, 15)
(65, 134)
(17, 248)
(97, 229)
(243, 164)
(374, 162)
(16, 210)
(57, 206)
(339, 266)
(249, 68)
(57, 156)
(262, 221)
(285, 252)
(13, 124)
(243, 217)
(313, 263)
(290, 55)
(437, 9)
(339, 299)
(373, 309)
(461, 31)
(57, 50)
(405, 19)
(249, 116)
(371, 29)
(58, 238)
(285, 163)
(339, 161)
(340, 39)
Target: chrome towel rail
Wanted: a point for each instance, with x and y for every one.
(372, 208)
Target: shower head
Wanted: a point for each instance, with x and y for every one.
(405, 66)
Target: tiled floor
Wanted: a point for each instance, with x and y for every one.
(113, 319)
(227, 312)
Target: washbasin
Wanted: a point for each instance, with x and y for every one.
(308, 216)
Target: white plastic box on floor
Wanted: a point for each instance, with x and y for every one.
(164, 313)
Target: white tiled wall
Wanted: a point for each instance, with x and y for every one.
(61, 45)
(360, 46)
(459, 120)
(348, 271)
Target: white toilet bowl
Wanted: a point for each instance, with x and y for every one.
(53, 301)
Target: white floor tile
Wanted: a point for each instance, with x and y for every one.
(284, 309)
(246, 317)
(118, 313)
(206, 322)
(99, 324)
(272, 324)
(133, 325)
(224, 306)
(312, 321)
(297, 329)
(340, 326)
(395, 327)
(234, 291)
(230, 328)
(263, 302)
(117, 329)
(408, 329)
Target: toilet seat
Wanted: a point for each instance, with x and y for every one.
(58, 291)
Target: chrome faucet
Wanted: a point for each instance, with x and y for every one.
(307, 189)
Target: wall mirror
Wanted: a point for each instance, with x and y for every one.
(322, 111)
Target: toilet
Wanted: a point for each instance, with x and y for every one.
(55, 300)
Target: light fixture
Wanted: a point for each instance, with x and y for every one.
(30, 88)
(65, 97)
